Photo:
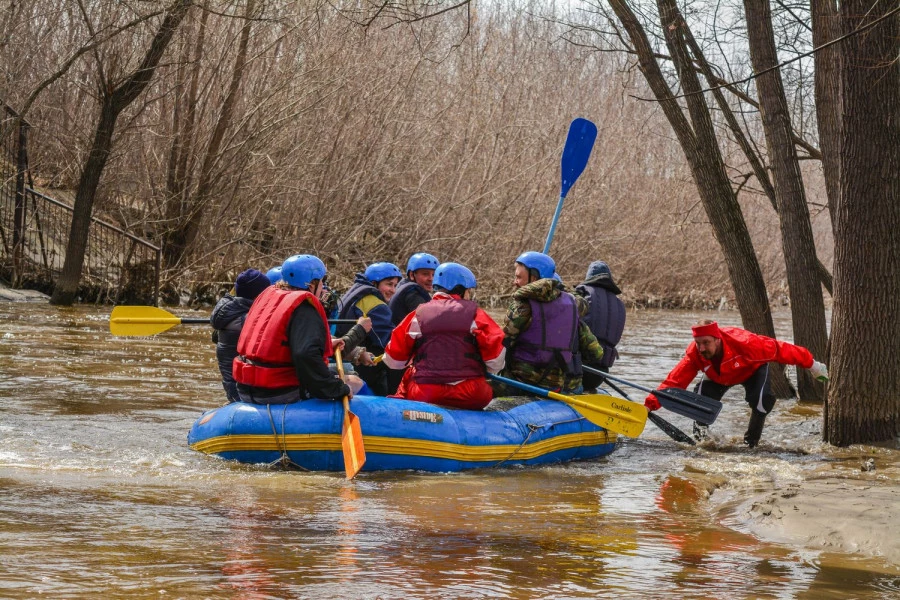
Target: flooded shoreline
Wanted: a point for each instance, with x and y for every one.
(102, 496)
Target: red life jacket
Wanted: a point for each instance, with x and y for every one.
(264, 356)
(446, 352)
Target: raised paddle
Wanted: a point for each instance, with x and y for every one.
(149, 320)
(579, 143)
(666, 427)
(627, 418)
(351, 432)
(682, 402)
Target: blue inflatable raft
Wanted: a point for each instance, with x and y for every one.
(401, 434)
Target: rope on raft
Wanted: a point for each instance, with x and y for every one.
(285, 460)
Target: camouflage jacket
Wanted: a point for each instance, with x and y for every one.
(518, 319)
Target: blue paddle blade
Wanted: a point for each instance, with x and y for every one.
(579, 144)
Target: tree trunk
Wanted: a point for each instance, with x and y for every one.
(756, 163)
(864, 395)
(114, 101)
(827, 61)
(698, 141)
(807, 305)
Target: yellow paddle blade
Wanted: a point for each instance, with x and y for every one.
(352, 442)
(351, 431)
(145, 320)
(140, 320)
(609, 412)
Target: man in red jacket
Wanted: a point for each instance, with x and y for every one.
(451, 342)
(730, 356)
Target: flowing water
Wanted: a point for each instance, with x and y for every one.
(100, 495)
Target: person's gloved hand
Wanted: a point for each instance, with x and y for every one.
(819, 371)
(652, 403)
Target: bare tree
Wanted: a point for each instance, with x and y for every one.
(115, 97)
(186, 212)
(807, 305)
(697, 138)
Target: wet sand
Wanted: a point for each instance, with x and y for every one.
(832, 514)
(794, 489)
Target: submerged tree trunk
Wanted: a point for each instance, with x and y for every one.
(114, 101)
(864, 394)
(698, 140)
(807, 305)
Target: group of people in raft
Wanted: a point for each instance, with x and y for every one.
(421, 335)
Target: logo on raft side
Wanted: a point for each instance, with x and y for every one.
(420, 415)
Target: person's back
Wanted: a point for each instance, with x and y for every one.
(284, 347)
(605, 316)
(451, 342)
(227, 320)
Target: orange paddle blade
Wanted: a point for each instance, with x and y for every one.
(352, 442)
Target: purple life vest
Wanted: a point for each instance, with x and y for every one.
(606, 320)
(447, 351)
(551, 341)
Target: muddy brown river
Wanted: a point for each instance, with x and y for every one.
(100, 495)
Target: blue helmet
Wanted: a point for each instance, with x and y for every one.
(422, 260)
(274, 275)
(538, 261)
(556, 277)
(450, 275)
(300, 269)
(382, 270)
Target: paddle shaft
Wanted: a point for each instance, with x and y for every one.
(659, 393)
(604, 411)
(666, 427)
(553, 223)
(173, 320)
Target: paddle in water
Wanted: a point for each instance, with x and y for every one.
(351, 432)
(682, 402)
(627, 418)
(666, 427)
(579, 143)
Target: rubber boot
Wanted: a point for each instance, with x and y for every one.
(754, 430)
(701, 431)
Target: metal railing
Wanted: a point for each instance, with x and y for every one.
(34, 231)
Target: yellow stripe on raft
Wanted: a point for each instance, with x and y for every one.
(404, 446)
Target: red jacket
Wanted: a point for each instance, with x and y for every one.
(743, 353)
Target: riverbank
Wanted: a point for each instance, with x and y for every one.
(797, 491)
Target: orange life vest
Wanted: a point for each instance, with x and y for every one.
(264, 356)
